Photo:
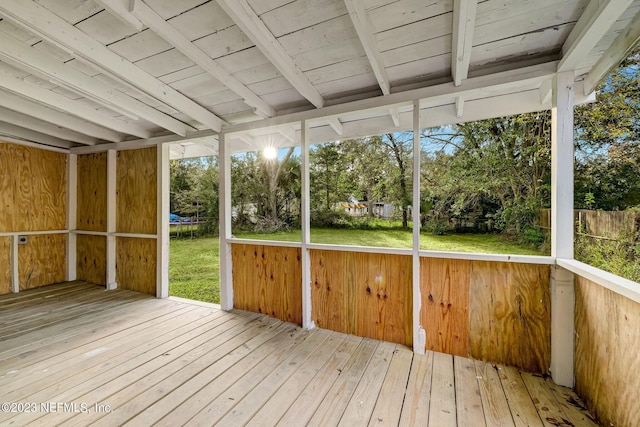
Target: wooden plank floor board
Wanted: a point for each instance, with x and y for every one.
(494, 402)
(166, 363)
(415, 409)
(305, 404)
(468, 399)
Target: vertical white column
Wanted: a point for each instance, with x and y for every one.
(15, 278)
(226, 277)
(111, 219)
(562, 283)
(72, 211)
(419, 335)
(305, 216)
(162, 260)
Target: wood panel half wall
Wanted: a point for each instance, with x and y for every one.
(91, 260)
(607, 360)
(268, 279)
(92, 192)
(5, 265)
(42, 260)
(364, 294)
(494, 311)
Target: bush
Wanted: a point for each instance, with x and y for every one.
(534, 236)
(438, 227)
(620, 257)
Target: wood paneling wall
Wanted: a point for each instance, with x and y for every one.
(607, 360)
(5, 265)
(268, 279)
(136, 264)
(42, 261)
(364, 294)
(92, 192)
(136, 191)
(493, 311)
(91, 262)
(33, 192)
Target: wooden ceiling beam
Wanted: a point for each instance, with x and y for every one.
(246, 19)
(41, 126)
(364, 28)
(336, 125)
(595, 22)
(55, 117)
(9, 130)
(165, 30)
(464, 22)
(62, 103)
(36, 18)
(43, 64)
(619, 50)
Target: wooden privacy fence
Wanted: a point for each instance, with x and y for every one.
(488, 310)
(605, 224)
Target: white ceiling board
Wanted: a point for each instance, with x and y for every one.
(348, 85)
(224, 42)
(165, 63)
(219, 97)
(201, 21)
(404, 12)
(262, 6)
(141, 45)
(22, 134)
(285, 99)
(520, 24)
(72, 11)
(339, 70)
(421, 70)
(437, 26)
(198, 85)
(501, 12)
(272, 85)
(420, 50)
(170, 8)
(233, 107)
(17, 32)
(260, 73)
(185, 73)
(105, 28)
(536, 43)
(323, 34)
(328, 55)
(243, 60)
(28, 122)
(300, 14)
(59, 54)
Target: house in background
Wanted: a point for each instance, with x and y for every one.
(98, 95)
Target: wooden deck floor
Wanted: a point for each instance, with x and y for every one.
(75, 354)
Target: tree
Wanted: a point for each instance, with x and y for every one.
(400, 146)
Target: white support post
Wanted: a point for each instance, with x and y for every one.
(72, 210)
(162, 260)
(15, 276)
(307, 321)
(111, 219)
(226, 277)
(562, 230)
(419, 334)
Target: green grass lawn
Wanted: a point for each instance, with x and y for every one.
(194, 266)
(195, 263)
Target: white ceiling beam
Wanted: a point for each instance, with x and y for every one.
(43, 64)
(37, 125)
(516, 80)
(362, 24)
(165, 30)
(464, 22)
(619, 50)
(30, 15)
(247, 139)
(395, 116)
(546, 92)
(62, 103)
(594, 23)
(120, 9)
(246, 19)
(20, 133)
(336, 125)
(33, 109)
(459, 106)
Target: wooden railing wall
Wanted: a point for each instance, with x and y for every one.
(607, 358)
(33, 199)
(494, 311)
